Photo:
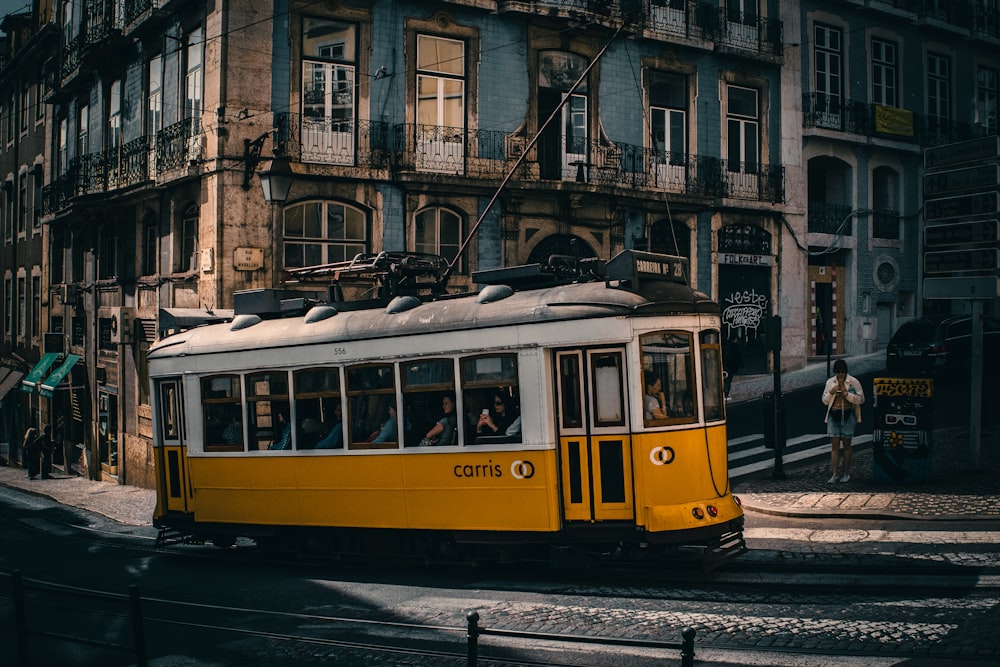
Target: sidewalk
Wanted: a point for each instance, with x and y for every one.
(953, 492)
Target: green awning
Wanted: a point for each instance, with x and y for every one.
(58, 374)
(30, 383)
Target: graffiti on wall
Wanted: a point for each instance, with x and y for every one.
(744, 309)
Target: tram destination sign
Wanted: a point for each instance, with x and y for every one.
(962, 233)
(963, 152)
(978, 205)
(980, 260)
(980, 177)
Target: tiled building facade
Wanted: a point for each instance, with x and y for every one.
(689, 128)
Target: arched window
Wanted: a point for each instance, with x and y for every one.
(322, 232)
(439, 232)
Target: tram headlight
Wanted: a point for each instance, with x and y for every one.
(698, 513)
(713, 511)
(738, 501)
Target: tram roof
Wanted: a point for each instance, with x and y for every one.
(494, 306)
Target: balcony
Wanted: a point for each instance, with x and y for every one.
(741, 33)
(733, 32)
(434, 152)
(831, 112)
(127, 166)
(830, 219)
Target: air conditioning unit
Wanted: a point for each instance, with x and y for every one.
(121, 325)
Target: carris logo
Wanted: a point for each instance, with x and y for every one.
(522, 469)
(660, 456)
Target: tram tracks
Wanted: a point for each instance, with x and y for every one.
(774, 601)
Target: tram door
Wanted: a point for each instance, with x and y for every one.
(172, 451)
(594, 437)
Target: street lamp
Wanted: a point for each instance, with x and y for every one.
(276, 179)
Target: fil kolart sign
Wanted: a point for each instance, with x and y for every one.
(248, 259)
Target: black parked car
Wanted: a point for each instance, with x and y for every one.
(941, 348)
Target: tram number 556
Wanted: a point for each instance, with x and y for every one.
(661, 456)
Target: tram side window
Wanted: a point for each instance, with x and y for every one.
(221, 404)
(268, 418)
(491, 399)
(318, 411)
(711, 371)
(667, 378)
(425, 384)
(371, 407)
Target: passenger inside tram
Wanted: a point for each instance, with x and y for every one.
(655, 399)
(334, 438)
(445, 430)
(500, 420)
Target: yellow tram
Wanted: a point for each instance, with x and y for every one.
(568, 409)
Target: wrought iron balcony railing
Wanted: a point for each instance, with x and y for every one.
(830, 219)
(490, 154)
(177, 145)
(885, 225)
(128, 165)
(749, 32)
(684, 18)
(360, 143)
(833, 112)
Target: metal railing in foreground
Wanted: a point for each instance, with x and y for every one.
(685, 646)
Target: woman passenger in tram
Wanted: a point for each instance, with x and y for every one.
(445, 430)
(655, 399)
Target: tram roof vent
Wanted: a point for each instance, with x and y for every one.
(401, 304)
(320, 313)
(493, 293)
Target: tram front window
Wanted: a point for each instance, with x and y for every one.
(667, 378)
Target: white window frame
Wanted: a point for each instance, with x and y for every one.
(885, 72)
(828, 70)
(744, 142)
(329, 247)
(440, 143)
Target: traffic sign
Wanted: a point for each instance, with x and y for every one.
(953, 261)
(973, 150)
(978, 205)
(961, 233)
(965, 287)
(980, 177)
